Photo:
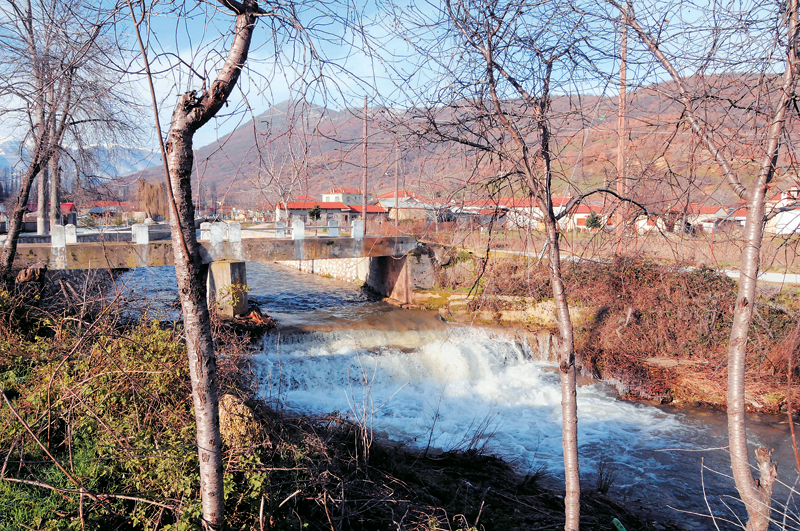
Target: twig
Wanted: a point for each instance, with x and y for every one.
(44, 448)
(705, 497)
(8, 456)
(100, 498)
(292, 495)
(789, 402)
(80, 512)
(261, 514)
(325, 504)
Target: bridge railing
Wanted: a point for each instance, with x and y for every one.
(221, 231)
(218, 232)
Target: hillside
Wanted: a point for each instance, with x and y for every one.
(292, 150)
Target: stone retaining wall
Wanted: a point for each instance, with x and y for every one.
(348, 269)
(392, 277)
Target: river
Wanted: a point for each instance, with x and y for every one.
(427, 384)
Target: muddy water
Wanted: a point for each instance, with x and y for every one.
(424, 383)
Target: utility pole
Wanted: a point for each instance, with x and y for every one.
(622, 179)
(396, 188)
(364, 179)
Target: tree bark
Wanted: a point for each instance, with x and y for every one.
(568, 375)
(55, 191)
(192, 111)
(15, 224)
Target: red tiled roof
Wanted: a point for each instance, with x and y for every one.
(400, 193)
(355, 191)
(700, 208)
(517, 202)
(374, 209)
(301, 205)
(67, 207)
(583, 208)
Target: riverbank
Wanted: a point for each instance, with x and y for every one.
(655, 332)
(97, 433)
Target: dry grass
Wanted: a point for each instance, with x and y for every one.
(660, 332)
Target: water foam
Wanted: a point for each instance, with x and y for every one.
(460, 388)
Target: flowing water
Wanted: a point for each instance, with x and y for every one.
(427, 384)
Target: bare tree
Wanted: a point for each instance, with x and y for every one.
(736, 115)
(193, 110)
(285, 150)
(68, 96)
(501, 65)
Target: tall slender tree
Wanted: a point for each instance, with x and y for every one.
(729, 122)
(499, 64)
(193, 110)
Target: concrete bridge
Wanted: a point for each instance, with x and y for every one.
(226, 252)
(219, 242)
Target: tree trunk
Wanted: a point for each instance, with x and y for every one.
(55, 188)
(190, 276)
(15, 223)
(569, 404)
(755, 495)
(42, 211)
(192, 112)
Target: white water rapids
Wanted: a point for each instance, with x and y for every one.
(424, 383)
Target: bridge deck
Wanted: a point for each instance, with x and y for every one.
(159, 253)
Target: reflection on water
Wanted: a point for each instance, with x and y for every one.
(455, 386)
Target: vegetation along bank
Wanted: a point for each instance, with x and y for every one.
(657, 332)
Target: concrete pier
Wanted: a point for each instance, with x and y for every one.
(227, 288)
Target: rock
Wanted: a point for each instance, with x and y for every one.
(237, 424)
(442, 256)
(32, 278)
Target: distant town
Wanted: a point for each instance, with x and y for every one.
(343, 205)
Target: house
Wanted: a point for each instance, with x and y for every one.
(645, 224)
(329, 210)
(69, 214)
(112, 209)
(701, 215)
(413, 207)
(524, 212)
(737, 214)
(348, 196)
(480, 213)
(374, 212)
(577, 217)
(786, 209)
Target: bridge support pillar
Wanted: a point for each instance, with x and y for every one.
(71, 233)
(357, 229)
(219, 232)
(140, 233)
(298, 230)
(205, 231)
(227, 288)
(281, 229)
(58, 241)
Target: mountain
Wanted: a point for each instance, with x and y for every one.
(110, 161)
(288, 151)
(291, 150)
